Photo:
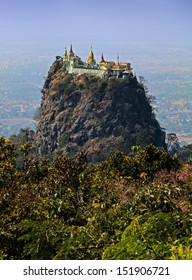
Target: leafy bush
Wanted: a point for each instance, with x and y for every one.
(154, 238)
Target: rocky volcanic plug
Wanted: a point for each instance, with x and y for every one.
(84, 112)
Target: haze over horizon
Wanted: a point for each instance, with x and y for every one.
(91, 21)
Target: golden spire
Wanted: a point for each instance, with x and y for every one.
(118, 60)
(65, 52)
(91, 59)
(65, 55)
(102, 59)
(71, 53)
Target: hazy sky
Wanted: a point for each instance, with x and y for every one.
(96, 20)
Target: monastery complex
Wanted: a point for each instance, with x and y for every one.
(74, 64)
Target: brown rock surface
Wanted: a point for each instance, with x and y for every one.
(87, 113)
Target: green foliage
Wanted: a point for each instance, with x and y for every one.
(185, 153)
(153, 238)
(144, 162)
(63, 139)
(7, 162)
(57, 65)
(24, 136)
(182, 249)
(65, 85)
(136, 206)
(145, 136)
(37, 114)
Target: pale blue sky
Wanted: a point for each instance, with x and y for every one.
(96, 20)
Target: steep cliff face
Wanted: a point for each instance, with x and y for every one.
(87, 113)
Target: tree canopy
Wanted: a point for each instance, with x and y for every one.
(127, 207)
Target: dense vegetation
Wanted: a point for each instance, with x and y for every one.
(127, 207)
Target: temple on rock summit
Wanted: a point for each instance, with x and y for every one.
(74, 64)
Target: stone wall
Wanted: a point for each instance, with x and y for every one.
(97, 72)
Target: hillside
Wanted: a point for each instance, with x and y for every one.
(94, 115)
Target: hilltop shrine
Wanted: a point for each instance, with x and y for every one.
(74, 64)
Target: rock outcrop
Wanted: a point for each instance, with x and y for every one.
(95, 115)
